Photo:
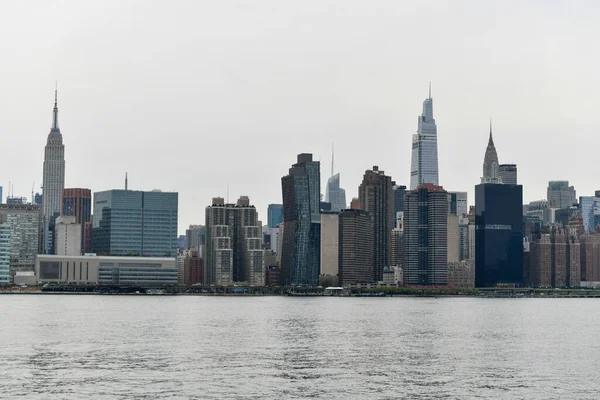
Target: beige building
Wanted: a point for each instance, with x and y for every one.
(453, 239)
(105, 270)
(329, 248)
(67, 236)
(461, 273)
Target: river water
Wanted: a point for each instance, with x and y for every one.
(184, 347)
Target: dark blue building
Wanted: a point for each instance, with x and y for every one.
(498, 234)
(274, 215)
(300, 258)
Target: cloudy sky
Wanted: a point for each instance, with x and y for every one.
(189, 95)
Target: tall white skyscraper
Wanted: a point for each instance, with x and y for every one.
(424, 163)
(54, 178)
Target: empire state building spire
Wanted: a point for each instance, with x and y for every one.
(491, 172)
(55, 127)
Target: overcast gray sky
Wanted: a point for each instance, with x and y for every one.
(187, 95)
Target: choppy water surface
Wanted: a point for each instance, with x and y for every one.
(124, 347)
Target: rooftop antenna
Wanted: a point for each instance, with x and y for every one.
(32, 197)
(430, 89)
(125, 180)
(227, 201)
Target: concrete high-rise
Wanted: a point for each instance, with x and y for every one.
(426, 236)
(424, 162)
(5, 250)
(234, 250)
(355, 247)
(508, 173)
(67, 236)
(561, 195)
(135, 223)
(376, 198)
(25, 223)
(301, 242)
(329, 248)
(77, 202)
(53, 179)
(590, 257)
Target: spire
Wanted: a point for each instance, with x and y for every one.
(332, 157)
(430, 89)
(491, 141)
(125, 180)
(55, 127)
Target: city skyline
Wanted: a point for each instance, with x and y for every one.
(370, 92)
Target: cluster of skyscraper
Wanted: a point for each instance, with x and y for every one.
(48, 238)
(387, 235)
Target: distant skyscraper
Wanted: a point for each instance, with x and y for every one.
(16, 200)
(300, 256)
(355, 247)
(334, 194)
(458, 203)
(77, 203)
(508, 173)
(589, 206)
(274, 215)
(38, 199)
(375, 196)
(195, 237)
(398, 194)
(426, 236)
(424, 163)
(491, 172)
(54, 178)
(561, 195)
(329, 248)
(1, 198)
(135, 223)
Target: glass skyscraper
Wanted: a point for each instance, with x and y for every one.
(334, 194)
(424, 162)
(135, 223)
(274, 215)
(300, 258)
(498, 234)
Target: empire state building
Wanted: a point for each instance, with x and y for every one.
(54, 178)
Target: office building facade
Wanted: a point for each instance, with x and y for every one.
(426, 236)
(561, 195)
(334, 194)
(424, 162)
(135, 223)
(274, 215)
(67, 236)
(77, 202)
(106, 270)
(355, 247)
(508, 173)
(25, 222)
(329, 248)
(376, 198)
(5, 250)
(301, 244)
(498, 234)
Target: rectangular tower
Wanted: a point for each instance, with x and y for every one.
(135, 223)
(355, 247)
(300, 254)
(376, 197)
(77, 202)
(498, 234)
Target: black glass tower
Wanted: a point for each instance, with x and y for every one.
(498, 234)
(301, 189)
